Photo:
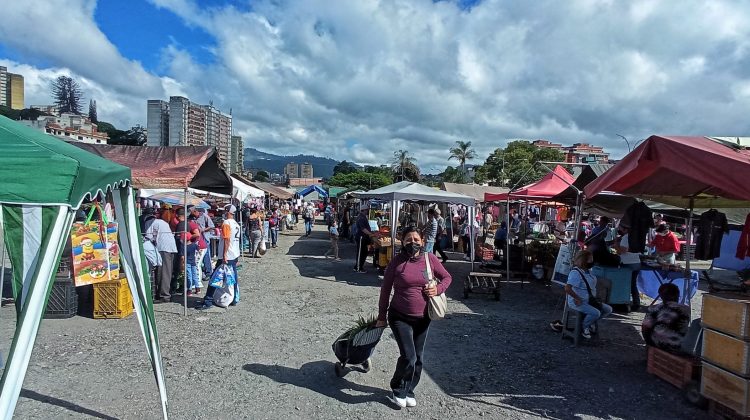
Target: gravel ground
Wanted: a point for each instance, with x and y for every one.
(270, 357)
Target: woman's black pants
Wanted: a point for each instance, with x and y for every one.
(410, 334)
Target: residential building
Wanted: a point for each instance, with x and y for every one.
(157, 123)
(184, 123)
(577, 153)
(306, 170)
(303, 182)
(291, 170)
(70, 127)
(3, 86)
(14, 89)
(236, 155)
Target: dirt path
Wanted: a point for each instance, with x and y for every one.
(270, 357)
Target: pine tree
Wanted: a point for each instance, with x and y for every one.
(67, 94)
(92, 111)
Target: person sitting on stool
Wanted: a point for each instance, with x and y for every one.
(578, 292)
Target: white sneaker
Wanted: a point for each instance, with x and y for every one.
(411, 402)
(586, 333)
(401, 402)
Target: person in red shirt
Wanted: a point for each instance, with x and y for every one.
(666, 243)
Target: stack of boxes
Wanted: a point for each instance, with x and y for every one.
(725, 377)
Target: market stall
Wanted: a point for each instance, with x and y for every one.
(37, 216)
(169, 168)
(406, 191)
(685, 172)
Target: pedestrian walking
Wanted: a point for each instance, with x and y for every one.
(229, 249)
(346, 222)
(430, 231)
(407, 311)
(441, 235)
(362, 238)
(333, 232)
(255, 231)
(273, 225)
(309, 216)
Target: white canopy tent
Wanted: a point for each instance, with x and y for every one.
(406, 191)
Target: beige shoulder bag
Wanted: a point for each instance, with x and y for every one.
(438, 305)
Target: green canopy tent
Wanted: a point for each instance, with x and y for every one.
(37, 216)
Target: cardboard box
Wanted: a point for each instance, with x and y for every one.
(727, 352)
(725, 387)
(727, 313)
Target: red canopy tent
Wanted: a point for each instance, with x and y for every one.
(685, 172)
(551, 185)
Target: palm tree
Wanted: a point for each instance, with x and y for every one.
(462, 153)
(402, 163)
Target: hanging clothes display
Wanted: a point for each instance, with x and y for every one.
(743, 247)
(638, 219)
(712, 226)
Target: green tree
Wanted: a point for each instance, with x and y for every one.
(67, 94)
(462, 153)
(516, 164)
(135, 136)
(480, 174)
(359, 180)
(453, 175)
(262, 176)
(404, 167)
(21, 114)
(344, 167)
(92, 111)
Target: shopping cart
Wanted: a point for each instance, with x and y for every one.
(356, 348)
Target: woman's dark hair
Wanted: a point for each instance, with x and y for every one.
(409, 229)
(661, 228)
(669, 292)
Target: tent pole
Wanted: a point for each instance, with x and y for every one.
(184, 253)
(2, 273)
(688, 274)
(472, 210)
(507, 239)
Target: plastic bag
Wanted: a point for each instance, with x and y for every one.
(224, 296)
(262, 247)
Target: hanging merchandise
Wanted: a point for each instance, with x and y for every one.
(96, 255)
(712, 226)
(638, 219)
(743, 246)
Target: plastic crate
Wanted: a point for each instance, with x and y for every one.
(717, 410)
(677, 370)
(112, 299)
(63, 300)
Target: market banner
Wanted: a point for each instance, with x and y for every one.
(96, 255)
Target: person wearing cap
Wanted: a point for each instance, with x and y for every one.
(229, 250)
(362, 239)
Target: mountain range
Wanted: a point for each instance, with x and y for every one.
(271, 163)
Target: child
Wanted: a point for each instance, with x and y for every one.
(334, 233)
(191, 276)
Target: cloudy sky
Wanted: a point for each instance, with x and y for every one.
(357, 80)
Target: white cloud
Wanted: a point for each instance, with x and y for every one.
(315, 76)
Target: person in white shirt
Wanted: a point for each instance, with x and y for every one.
(161, 235)
(229, 250)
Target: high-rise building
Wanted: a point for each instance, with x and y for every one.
(306, 170)
(236, 155)
(3, 86)
(291, 170)
(14, 89)
(157, 123)
(183, 123)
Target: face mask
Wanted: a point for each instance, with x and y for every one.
(589, 265)
(412, 249)
(662, 233)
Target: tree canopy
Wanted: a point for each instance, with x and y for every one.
(516, 164)
(262, 176)
(462, 152)
(344, 167)
(404, 166)
(359, 180)
(21, 114)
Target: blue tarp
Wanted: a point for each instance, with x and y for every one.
(313, 188)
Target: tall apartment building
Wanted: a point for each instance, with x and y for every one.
(236, 155)
(291, 170)
(11, 89)
(181, 122)
(306, 170)
(157, 123)
(14, 88)
(3, 86)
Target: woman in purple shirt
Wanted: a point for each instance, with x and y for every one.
(406, 312)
